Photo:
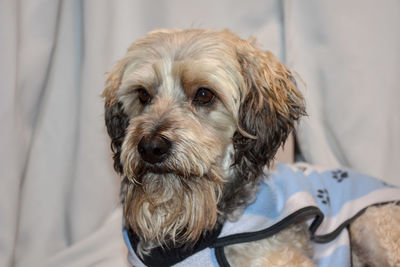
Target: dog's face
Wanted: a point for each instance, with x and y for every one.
(194, 116)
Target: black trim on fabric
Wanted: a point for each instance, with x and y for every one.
(162, 257)
(351, 248)
(170, 255)
(221, 258)
(295, 217)
(332, 235)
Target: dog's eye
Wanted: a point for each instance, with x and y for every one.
(203, 97)
(144, 96)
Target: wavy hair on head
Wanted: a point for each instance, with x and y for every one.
(270, 105)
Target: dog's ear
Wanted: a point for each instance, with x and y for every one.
(116, 123)
(270, 105)
(114, 81)
(115, 118)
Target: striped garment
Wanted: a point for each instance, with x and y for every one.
(328, 199)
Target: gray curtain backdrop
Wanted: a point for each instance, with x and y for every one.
(58, 192)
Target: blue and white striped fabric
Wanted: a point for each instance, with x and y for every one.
(329, 199)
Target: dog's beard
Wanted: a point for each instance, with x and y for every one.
(166, 209)
(175, 200)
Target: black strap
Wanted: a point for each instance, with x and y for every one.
(298, 216)
(335, 233)
(170, 255)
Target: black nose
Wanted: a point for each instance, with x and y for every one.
(154, 149)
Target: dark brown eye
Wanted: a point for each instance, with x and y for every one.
(203, 97)
(144, 96)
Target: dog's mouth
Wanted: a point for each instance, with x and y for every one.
(161, 169)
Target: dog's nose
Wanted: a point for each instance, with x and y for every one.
(154, 149)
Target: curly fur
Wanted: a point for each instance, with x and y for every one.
(375, 237)
(116, 122)
(218, 150)
(261, 109)
(266, 114)
(268, 252)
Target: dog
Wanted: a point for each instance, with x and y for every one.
(195, 119)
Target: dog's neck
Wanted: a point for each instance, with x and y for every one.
(237, 194)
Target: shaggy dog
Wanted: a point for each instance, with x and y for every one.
(194, 117)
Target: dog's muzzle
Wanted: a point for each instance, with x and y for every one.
(154, 149)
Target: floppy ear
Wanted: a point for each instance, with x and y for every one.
(115, 118)
(270, 105)
(116, 122)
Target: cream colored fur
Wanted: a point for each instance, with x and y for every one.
(181, 202)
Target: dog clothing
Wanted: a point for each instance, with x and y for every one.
(328, 200)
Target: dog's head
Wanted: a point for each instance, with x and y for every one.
(194, 116)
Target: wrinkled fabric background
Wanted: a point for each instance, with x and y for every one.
(58, 192)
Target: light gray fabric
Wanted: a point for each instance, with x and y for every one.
(347, 52)
(57, 186)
